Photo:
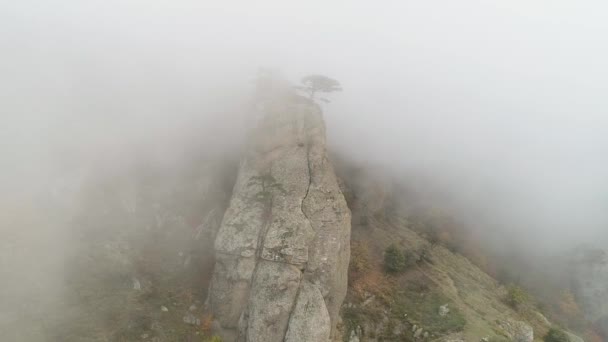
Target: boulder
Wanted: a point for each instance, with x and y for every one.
(518, 331)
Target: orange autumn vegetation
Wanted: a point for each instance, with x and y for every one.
(206, 322)
(568, 305)
(365, 279)
(592, 336)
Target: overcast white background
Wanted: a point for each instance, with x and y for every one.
(502, 103)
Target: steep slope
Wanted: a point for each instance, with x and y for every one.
(283, 248)
(440, 296)
(140, 256)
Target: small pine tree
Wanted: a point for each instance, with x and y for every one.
(394, 259)
(313, 84)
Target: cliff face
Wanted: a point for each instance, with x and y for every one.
(283, 248)
(592, 291)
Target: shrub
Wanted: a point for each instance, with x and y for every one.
(498, 338)
(556, 335)
(214, 338)
(394, 259)
(422, 308)
(433, 236)
(516, 296)
(425, 255)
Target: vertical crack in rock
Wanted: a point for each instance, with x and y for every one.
(266, 216)
(294, 303)
(309, 180)
(281, 272)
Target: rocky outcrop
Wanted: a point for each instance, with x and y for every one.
(589, 272)
(574, 338)
(517, 331)
(283, 247)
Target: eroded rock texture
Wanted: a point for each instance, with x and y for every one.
(283, 248)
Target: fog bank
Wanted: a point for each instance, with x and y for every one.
(500, 105)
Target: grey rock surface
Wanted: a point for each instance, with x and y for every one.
(518, 331)
(574, 338)
(591, 281)
(309, 320)
(283, 248)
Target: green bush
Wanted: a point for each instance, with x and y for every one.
(498, 339)
(422, 308)
(516, 296)
(394, 259)
(556, 335)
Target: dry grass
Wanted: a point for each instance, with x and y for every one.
(366, 276)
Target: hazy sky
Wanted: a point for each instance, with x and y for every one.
(502, 102)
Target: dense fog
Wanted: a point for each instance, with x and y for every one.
(498, 106)
(501, 103)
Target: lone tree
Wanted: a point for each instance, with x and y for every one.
(313, 84)
(394, 259)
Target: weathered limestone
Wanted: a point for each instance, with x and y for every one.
(518, 331)
(284, 244)
(310, 320)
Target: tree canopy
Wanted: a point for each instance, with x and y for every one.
(313, 84)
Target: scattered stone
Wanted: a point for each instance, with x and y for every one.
(397, 330)
(425, 335)
(144, 336)
(518, 331)
(485, 339)
(353, 337)
(192, 307)
(444, 310)
(164, 309)
(136, 284)
(418, 333)
(155, 326)
(414, 327)
(191, 319)
(368, 301)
